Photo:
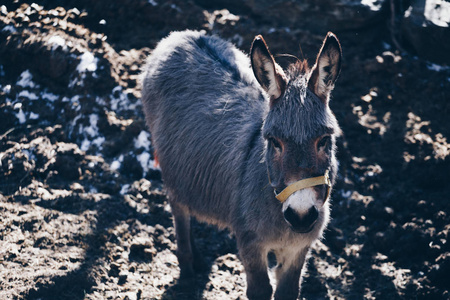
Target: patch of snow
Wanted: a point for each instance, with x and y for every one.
(88, 62)
(120, 101)
(27, 94)
(7, 89)
(117, 89)
(75, 100)
(345, 194)
(33, 116)
(92, 130)
(29, 154)
(125, 188)
(57, 41)
(437, 12)
(145, 161)
(91, 133)
(115, 165)
(142, 141)
(73, 82)
(73, 123)
(99, 141)
(153, 2)
(21, 116)
(85, 144)
(26, 80)
(436, 67)
(374, 5)
(17, 105)
(4, 10)
(100, 101)
(49, 96)
(9, 28)
(102, 22)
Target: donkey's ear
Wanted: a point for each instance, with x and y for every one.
(268, 73)
(327, 68)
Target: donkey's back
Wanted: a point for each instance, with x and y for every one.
(204, 107)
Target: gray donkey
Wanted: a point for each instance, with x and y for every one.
(230, 131)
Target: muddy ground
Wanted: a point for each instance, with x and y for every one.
(82, 206)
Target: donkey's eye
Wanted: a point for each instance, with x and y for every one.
(275, 144)
(323, 142)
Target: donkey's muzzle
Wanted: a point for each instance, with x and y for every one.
(303, 184)
(301, 223)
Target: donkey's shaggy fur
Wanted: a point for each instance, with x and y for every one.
(225, 140)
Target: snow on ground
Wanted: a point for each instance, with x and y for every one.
(142, 141)
(57, 41)
(88, 63)
(26, 80)
(87, 114)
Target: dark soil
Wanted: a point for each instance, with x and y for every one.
(83, 210)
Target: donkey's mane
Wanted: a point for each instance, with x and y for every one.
(299, 68)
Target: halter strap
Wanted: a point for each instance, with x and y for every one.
(303, 184)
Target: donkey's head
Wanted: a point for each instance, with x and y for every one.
(300, 129)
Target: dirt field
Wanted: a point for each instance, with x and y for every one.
(83, 210)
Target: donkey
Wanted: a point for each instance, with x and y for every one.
(227, 136)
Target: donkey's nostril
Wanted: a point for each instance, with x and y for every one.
(301, 223)
(311, 217)
(291, 217)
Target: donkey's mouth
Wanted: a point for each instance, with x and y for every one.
(302, 230)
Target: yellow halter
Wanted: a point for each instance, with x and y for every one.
(303, 184)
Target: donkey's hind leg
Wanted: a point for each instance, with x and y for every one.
(185, 253)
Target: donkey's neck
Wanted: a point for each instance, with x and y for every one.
(255, 179)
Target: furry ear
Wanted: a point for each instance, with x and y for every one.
(268, 73)
(327, 68)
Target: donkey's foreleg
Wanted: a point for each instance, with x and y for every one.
(288, 274)
(254, 259)
(182, 223)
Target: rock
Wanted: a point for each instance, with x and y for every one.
(425, 26)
